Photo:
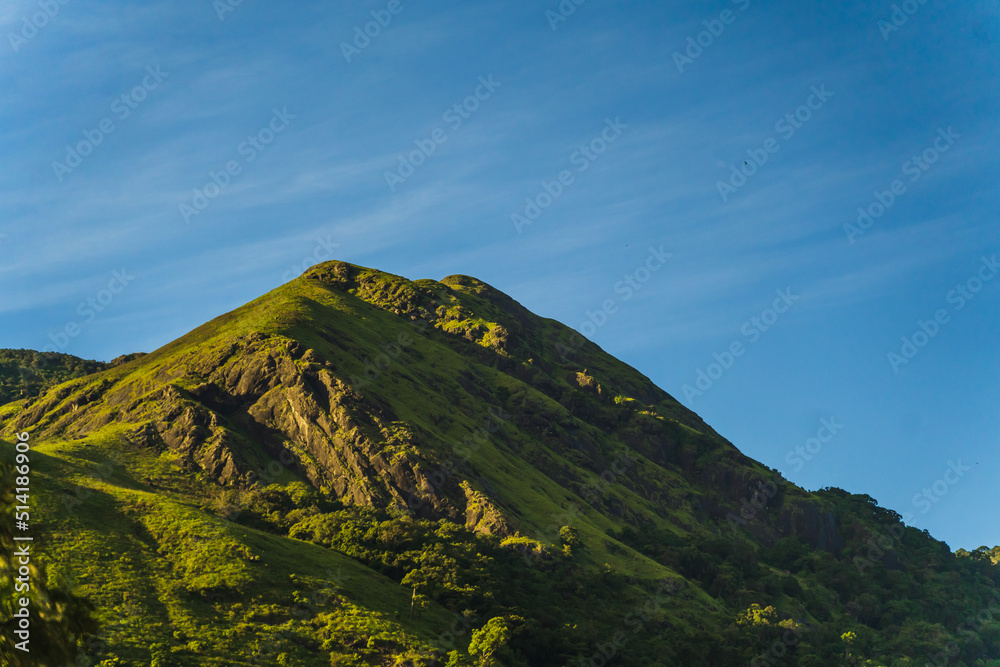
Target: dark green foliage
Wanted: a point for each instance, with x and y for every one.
(787, 553)
(25, 373)
(446, 563)
(982, 554)
(448, 479)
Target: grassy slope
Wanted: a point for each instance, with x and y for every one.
(301, 309)
(163, 569)
(133, 558)
(129, 538)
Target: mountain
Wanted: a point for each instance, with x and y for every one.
(26, 373)
(360, 469)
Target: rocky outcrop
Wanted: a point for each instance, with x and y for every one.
(251, 406)
(263, 404)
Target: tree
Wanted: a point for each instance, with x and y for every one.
(756, 616)
(758, 625)
(848, 638)
(489, 639)
(418, 580)
(458, 659)
(570, 538)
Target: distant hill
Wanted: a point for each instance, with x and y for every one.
(26, 373)
(360, 469)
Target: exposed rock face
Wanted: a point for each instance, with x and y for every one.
(367, 385)
(272, 403)
(481, 515)
(817, 526)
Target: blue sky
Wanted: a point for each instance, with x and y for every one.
(624, 123)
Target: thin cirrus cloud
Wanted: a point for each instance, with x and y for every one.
(324, 177)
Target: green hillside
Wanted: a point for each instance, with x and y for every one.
(25, 374)
(359, 469)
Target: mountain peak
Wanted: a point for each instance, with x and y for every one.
(447, 410)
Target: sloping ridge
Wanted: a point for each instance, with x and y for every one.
(436, 396)
(377, 416)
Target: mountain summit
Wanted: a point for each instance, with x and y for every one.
(541, 503)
